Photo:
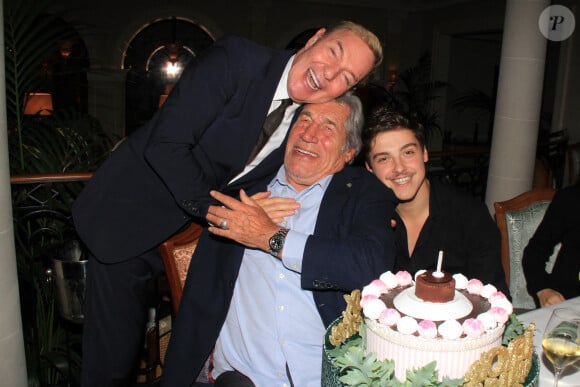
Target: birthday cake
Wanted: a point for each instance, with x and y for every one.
(448, 319)
(463, 320)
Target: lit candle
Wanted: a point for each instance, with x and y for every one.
(438, 273)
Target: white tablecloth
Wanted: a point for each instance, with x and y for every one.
(571, 375)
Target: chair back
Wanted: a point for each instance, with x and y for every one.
(517, 220)
(176, 253)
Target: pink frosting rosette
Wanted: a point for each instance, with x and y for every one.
(407, 325)
(474, 286)
(460, 281)
(404, 278)
(389, 279)
(373, 308)
(450, 329)
(503, 303)
(472, 327)
(375, 288)
(487, 320)
(499, 314)
(496, 296)
(488, 290)
(364, 300)
(389, 317)
(427, 329)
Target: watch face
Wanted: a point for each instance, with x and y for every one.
(276, 242)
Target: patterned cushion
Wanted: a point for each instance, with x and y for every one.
(182, 255)
(521, 225)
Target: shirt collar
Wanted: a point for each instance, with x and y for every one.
(282, 89)
(280, 179)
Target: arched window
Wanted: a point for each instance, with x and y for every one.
(155, 58)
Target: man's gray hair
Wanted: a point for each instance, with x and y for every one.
(354, 122)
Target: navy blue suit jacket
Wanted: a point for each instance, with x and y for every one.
(159, 178)
(352, 244)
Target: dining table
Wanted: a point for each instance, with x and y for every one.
(571, 375)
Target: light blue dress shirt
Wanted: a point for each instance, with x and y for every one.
(272, 321)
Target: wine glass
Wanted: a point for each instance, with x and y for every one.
(561, 341)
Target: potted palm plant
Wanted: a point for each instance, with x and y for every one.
(67, 141)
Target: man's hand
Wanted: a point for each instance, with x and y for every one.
(276, 207)
(247, 222)
(549, 297)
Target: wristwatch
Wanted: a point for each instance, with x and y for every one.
(277, 241)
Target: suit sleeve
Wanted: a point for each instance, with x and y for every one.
(197, 99)
(362, 248)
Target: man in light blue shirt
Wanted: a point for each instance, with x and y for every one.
(274, 291)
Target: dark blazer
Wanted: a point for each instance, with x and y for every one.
(352, 244)
(159, 178)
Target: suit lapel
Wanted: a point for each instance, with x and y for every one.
(337, 193)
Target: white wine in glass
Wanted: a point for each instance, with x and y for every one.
(561, 341)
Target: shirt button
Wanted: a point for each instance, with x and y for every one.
(281, 275)
(280, 374)
(284, 385)
(283, 341)
(281, 308)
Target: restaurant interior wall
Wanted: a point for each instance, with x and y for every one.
(407, 29)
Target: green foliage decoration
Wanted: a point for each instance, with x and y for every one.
(358, 369)
(66, 141)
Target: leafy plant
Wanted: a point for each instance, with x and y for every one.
(30, 34)
(415, 91)
(67, 141)
(513, 329)
(64, 142)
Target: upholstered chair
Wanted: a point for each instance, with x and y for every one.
(517, 220)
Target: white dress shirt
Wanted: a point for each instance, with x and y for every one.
(272, 321)
(280, 133)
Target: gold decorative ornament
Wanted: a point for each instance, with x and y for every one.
(504, 366)
(351, 319)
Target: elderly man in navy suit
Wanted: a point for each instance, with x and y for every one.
(263, 292)
(158, 180)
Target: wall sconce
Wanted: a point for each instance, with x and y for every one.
(38, 104)
(66, 48)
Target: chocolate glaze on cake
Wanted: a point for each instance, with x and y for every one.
(479, 303)
(435, 289)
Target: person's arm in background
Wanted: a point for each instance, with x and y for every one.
(538, 251)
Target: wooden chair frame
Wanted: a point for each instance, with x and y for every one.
(173, 268)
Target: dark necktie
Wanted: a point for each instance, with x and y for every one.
(272, 122)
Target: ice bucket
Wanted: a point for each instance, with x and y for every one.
(70, 276)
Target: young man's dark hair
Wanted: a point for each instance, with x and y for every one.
(383, 119)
